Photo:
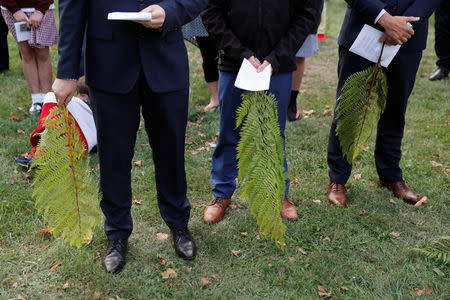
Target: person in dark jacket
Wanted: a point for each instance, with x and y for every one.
(405, 23)
(268, 33)
(442, 41)
(4, 53)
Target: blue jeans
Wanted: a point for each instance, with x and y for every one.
(224, 163)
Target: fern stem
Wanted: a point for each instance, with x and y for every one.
(72, 164)
(377, 68)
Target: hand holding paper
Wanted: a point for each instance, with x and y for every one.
(158, 17)
(250, 79)
(368, 45)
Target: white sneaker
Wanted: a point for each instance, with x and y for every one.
(35, 108)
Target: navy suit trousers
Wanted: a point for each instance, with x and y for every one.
(442, 42)
(4, 54)
(117, 118)
(401, 75)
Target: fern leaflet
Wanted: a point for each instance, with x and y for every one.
(439, 252)
(63, 187)
(361, 103)
(260, 161)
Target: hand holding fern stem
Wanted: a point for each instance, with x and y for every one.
(64, 90)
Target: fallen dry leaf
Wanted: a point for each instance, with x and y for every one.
(89, 237)
(327, 112)
(199, 206)
(204, 282)
(233, 206)
(395, 233)
(436, 164)
(300, 250)
(392, 201)
(215, 277)
(344, 288)
(118, 298)
(321, 291)
(365, 148)
(236, 252)
(239, 206)
(326, 239)
(295, 181)
(244, 234)
(21, 297)
(138, 163)
(363, 212)
(308, 112)
(357, 176)
(13, 116)
(55, 265)
(47, 231)
(137, 202)
(169, 273)
(28, 211)
(317, 201)
(65, 286)
(13, 180)
(291, 258)
(97, 295)
(21, 131)
(281, 279)
(162, 236)
(161, 259)
(425, 291)
(423, 200)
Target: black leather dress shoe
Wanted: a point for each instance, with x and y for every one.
(184, 244)
(440, 74)
(114, 258)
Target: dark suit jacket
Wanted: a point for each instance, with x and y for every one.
(117, 50)
(362, 12)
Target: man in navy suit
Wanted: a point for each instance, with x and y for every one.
(132, 66)
(404, 22)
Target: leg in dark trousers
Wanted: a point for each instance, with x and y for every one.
(401, 76)
(210, 56)
(117, 118)
(442, 42)
(339, 168)
(4, 53)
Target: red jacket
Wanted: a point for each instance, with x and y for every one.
(14, 5)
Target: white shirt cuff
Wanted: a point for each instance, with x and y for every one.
(382, 12)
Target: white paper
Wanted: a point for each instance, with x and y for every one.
(248, 79)
(130, 16)
(21, 35)
(368, 45)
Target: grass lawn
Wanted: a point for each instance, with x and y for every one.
(361, 252)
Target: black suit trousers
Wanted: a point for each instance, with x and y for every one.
(401, 75)
(442, 34)
(4, 54)
(117, 118)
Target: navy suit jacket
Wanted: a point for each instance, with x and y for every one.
(116, 51)
(360, 12)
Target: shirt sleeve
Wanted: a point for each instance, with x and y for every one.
(382, 12)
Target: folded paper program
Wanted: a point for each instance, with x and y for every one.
(130, 16)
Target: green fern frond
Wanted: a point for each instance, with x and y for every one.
(439, 252)
(260, 161)
(361, 103)
(63, 187)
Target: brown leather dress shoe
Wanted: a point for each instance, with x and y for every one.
(215, 209)
(288, 209)
(401, 191)
(336, 194)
